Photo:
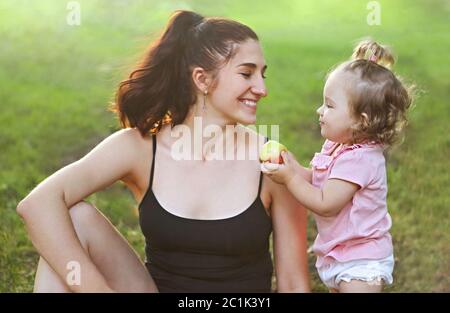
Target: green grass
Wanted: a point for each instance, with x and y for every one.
(56, 82)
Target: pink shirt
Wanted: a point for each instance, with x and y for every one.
(361, 229)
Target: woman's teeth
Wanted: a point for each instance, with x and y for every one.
(249, 103)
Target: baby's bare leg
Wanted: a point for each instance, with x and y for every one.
(355, 286)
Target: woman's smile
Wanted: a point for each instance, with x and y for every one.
(249, 103)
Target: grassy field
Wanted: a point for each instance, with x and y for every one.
(56, 81)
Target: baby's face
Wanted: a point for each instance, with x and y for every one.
(334, 114)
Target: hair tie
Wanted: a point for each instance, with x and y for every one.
(371, 56)
(165, 120)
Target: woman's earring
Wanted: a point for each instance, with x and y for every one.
(205, 93)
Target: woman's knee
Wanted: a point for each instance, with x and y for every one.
(83, 214)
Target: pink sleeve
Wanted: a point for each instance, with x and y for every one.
(354, 167)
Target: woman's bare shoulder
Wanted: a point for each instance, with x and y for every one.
(130, 136)
(257, 140)
(114, 158)
(140, 146)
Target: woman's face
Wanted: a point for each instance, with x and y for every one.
(239, 86)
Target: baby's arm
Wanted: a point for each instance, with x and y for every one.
(328, 201)
(308, 173)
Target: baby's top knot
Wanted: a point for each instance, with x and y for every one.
(373, 52)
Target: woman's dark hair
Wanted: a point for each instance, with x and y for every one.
(162, 81)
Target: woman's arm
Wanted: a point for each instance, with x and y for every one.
(289, 220)
(45, 209)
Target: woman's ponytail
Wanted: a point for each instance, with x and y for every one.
(160, 90)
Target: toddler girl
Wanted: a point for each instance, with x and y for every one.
(363, 111)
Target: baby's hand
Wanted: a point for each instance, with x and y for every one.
(282, 173)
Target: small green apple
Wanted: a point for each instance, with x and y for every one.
(271, 151)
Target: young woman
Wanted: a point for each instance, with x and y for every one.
(206, 221)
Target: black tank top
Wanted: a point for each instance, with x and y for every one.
(191, 255)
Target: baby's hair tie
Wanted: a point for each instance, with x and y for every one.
(371, 56)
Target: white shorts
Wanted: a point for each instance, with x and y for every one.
(364, 269)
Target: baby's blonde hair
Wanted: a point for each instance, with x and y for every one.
(378, 98)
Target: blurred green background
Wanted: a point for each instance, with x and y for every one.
(56, 81)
